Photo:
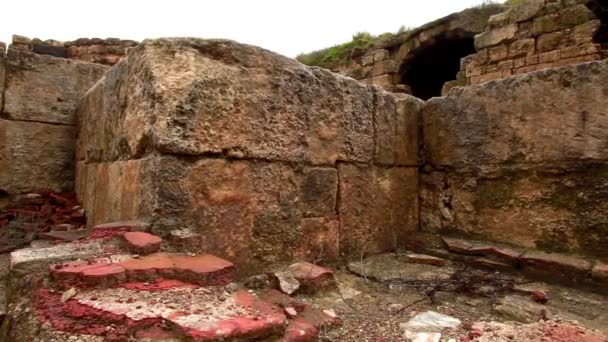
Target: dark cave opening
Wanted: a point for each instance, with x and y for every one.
(600, 9)
(427, 68)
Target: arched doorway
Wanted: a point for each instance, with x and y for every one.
(426, 68)
(600, 9)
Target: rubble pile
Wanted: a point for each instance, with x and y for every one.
(33, 214)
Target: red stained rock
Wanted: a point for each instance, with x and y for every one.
(299, 330)
(142, 243)
(568, 333)
(202, 269)
(425, 259)
(82, 274)
(158, 284)
(540, 297)
(312, 277)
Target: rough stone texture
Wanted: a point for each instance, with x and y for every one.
(378, 209)
(95, 50)
(534, 35)
(521, 160)
(246, 143)
(44, 88)
(384, 61)
(36, 156)
(228, 111)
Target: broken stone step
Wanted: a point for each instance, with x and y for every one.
(304, 321)
(142, 242)
(179, 312)
(202, 269)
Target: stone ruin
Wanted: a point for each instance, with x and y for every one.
(185, 153)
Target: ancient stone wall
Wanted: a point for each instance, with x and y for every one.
(39, 94)
(536, 35)
(95, 50)
(521, 160)
(263, 157)
(393, 63)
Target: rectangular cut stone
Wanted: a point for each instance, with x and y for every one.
(521, 119)
(36, 156)
(257, 110)
(495, 36)
(525, 147)
(497, 203)
(44, 88)
(396, 121)
(240, 146)
(523, 47)
(378, 207)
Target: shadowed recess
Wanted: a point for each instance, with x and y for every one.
(428, 67)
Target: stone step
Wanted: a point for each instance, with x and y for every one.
(201, 269)
(178, 311)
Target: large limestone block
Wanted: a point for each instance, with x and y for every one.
(554, 116)
(495, 36)
(252, 211)
(378, 207)
(44, 88)
(216, 97)
(560, 208)
(36, 156)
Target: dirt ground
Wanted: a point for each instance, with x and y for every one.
(373, 306)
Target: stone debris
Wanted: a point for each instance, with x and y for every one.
(142, 242)
(313, 278)
(45, 213)
(286, 282)
(521, 309)
(543, 331)
(427, 326)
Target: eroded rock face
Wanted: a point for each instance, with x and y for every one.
(36, 156)
(44, 88)
(249, 149)
(195, 97)
(521, 160)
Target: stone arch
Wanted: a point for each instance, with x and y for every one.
(426, 68)
(600, 9)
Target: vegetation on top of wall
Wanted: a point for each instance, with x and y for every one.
(513, 2)
(341, 54)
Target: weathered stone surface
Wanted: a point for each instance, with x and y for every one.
(231, 99)
(246, 143)
(36, 156)
(378, 207)
(526, 10)
(142, 242)
(560, 208)
(495, 36)
(552, 116)
(521, 160)
(44, 88)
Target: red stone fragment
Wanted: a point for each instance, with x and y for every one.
(202, 269)
(83, 274)
(312, 277)
(540, 297)
(142, 243)
(299, 330)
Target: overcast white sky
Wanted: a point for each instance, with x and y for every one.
(285, 26)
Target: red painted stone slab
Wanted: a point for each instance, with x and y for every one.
(142, 242)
